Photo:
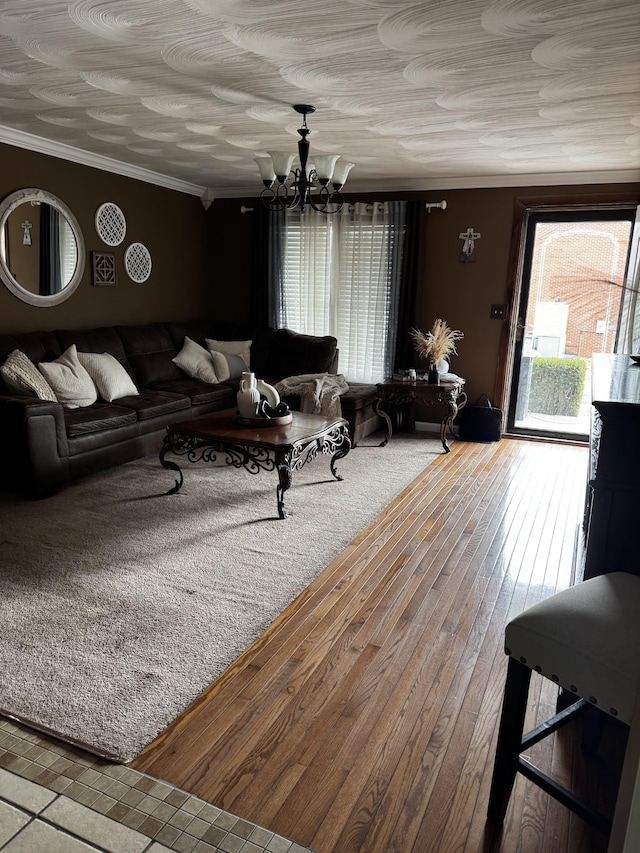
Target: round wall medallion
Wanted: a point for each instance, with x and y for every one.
(110, 223)
(137, 262)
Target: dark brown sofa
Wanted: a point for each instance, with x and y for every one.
(47, 445)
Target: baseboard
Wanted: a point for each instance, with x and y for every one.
(426, 426)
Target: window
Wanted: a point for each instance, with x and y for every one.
(340, 276)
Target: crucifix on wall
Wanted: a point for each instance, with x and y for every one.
(26, 233)
(468, 253)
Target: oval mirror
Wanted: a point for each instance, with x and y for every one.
(42, 254)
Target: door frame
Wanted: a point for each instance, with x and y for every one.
(524, 207)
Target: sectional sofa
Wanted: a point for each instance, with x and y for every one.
(47, 445)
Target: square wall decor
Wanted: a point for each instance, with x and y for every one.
(104, 269)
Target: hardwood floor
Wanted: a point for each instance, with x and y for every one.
(365, 718)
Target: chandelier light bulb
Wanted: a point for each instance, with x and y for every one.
(340, 172)
(324, 166)
(282, 163)
(267, 173)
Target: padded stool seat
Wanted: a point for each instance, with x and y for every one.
(585, 639)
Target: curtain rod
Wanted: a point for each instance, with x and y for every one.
(442, 205)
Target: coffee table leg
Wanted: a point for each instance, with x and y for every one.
(341, 452)
(285, 476)
(167, 463)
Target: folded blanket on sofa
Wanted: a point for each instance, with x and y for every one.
(319, 392)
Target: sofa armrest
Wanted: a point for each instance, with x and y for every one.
(34, 432)
(294, 353)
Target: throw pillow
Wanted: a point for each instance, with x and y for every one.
(227, 366)
(71, 383)
(109, 376)
(230, 358)
(22, 378)
(196, 362)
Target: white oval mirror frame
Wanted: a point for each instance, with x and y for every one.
(36, 196)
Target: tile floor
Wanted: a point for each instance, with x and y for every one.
(56, 798)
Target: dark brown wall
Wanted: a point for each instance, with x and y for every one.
(172, 225)
(460, 293)
(202, 260)
(230, 238)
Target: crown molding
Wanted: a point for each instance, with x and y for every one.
(21, 139)
(97, 161)
(551, 179)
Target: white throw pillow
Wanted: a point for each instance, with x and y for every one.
(109, 376)
(71, 383)
(231, 358)
(241, 348)
(196, 362)
(22, 378)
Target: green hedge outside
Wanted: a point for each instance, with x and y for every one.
(557, 385)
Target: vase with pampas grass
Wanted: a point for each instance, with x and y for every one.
(436, 346)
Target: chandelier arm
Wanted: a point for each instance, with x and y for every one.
(268, 195)
(327, 198)
(279, 199)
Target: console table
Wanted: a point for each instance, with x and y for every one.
(397, 393)
(612, 506)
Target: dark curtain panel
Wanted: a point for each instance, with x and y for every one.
(413, 270)
(397, 235)
(277, 235)
(266, 266)
(50, 277)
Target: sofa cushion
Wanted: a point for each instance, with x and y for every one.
(198, 330)
(23, 379)
(104, 339)
(359, 395)
(151, 403)
(71, 383)
(199, 392)
(292, 353)
(109, 376)
(150, 350)
(196, 362)
(100, 416)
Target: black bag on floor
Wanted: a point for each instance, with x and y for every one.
(480, 422)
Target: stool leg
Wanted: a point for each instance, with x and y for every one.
(505, 766)
(593, 729)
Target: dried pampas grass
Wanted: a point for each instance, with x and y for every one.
(437, 344)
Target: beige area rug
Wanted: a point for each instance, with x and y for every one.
(120, 604)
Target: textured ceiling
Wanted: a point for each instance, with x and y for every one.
(411, 92)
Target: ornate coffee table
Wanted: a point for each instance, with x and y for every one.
(282, 448)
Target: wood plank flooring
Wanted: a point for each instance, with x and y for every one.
(365, 718)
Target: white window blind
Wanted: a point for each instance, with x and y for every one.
(338, 279)
(68, 252)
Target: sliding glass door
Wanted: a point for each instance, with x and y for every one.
(571, 297)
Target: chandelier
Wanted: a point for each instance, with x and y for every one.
(295, 186)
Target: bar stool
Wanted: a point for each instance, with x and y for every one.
(587, 640)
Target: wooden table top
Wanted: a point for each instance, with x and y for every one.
(419, 384)
(223, 426)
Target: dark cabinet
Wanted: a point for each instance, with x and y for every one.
(612, 507)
